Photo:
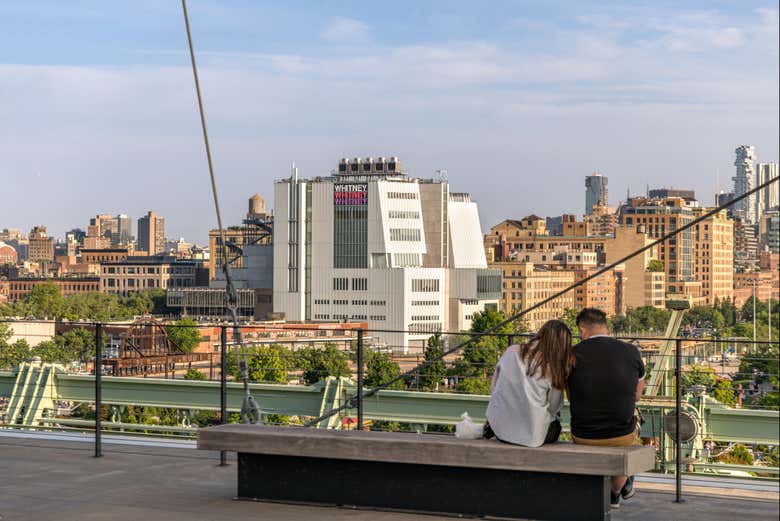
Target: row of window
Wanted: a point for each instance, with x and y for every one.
(147, 270)
(425, 303)
(342, 284)
(378, 303)
(360, 303)
(422, 318)
(406, 260)
(378, 317)
(425, 285)
(338, 302)
(405, 234)
(402, 195)
(424, 327)
(402, 214)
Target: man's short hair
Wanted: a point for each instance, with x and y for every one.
(590, 317)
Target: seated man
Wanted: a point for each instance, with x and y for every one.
(604, 386)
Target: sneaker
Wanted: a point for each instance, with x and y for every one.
(614, 500)
(628, 489)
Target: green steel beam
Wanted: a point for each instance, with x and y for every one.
(719, 423)
(7, 381)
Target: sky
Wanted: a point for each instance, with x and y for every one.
(517, 100)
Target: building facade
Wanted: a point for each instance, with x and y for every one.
(769, 231)
(766, 198)
(141, 273)
(41, 246)
(151, 233)
(525, 285)
(20, 288)
(658, 217)
(369, 243)
(7, 254)
(595, 191)
(714, 256)
(744, 181)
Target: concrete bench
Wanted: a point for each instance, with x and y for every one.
(425, 472)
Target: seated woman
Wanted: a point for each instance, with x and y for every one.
(527, 389)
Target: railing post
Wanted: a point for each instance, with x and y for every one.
(360, 379)
(678, 410)
(98, 383)
(223, 387)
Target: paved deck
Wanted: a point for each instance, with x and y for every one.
(52, 479)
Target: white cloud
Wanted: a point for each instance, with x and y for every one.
(346, 30)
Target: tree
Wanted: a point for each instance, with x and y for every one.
(761, 365)
(570, 319)
(184, 334)
(13, 354)
(194, 374)
(264, 363)
(722, 389)
(739, 455)
(45, 300)
(473, 386)
(655, 265)
(5, 334)
(318, 364)
(433, 373)
(380, 369)
(747, 309)
(704, 316)
(72, 345)
(642, 319)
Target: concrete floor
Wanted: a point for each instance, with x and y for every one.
(50, 479)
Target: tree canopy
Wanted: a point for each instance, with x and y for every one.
(184, 334)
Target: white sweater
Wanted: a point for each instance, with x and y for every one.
(521, 408)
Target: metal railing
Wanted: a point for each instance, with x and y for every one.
(682, 367)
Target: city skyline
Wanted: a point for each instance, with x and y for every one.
(645, 96)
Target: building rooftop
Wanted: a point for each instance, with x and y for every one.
(56, 476)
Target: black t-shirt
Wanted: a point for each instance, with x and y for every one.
(602, 388)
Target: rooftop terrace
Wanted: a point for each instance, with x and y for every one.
(55, 476)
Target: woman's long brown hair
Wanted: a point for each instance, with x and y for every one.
(550, 352)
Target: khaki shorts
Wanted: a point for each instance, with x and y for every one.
(620, 441)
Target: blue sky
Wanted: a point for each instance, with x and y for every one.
(517, 100)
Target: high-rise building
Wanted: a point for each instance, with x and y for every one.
(7, 254)
(714, 256)
(151, 233)
(371, 243)
(41, 246)
(769, 231)
(745, 245)
(767, 198)
(595, 191)
(107, 231)
(743, 182)
(124, 231)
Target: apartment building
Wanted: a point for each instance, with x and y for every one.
(20, 288)
(658, 217)
(41, 246)
(714, 256)
(526, 284)
(139, 273)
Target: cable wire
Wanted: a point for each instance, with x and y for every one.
(250, 412)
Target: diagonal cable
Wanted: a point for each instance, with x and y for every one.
(250, 412)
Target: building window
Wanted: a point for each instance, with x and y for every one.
(350, 236)
(401, 214)
(425, 285)
(405, 234)
(404, 260)
(402, 195)
(360, 284)
(340, 284)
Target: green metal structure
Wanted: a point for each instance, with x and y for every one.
(34, 389)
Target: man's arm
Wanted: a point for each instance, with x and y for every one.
(640, 386)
